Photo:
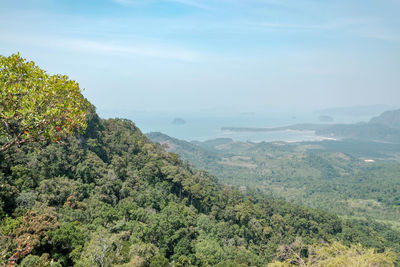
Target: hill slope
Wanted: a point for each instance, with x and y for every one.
(113, 198)
(330, 175)
(383, 128)
(389, 118)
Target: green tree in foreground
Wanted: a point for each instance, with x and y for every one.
(35, 106)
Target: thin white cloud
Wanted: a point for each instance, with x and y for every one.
(126, 2)
(342, 23)
(163, 52)
(289, 26)
(380, 35)
(191, 3)
(127, 49)
(359, 27)
(197, 4)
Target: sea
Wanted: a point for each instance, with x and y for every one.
(206, 126)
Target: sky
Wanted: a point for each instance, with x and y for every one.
(196, 55)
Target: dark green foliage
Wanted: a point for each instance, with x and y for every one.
(159, 261)
(69, 237)
(112, 197)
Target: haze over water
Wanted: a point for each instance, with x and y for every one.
(203, 126)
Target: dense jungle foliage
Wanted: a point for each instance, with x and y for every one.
(328, 175)
(113, 198)
(108, 196)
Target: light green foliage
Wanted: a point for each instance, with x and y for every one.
(103, 249)
(36, 261)
(332, 255)
(35, 106)
(209, 251)
(143, 252)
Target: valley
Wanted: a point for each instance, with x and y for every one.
(351, 178)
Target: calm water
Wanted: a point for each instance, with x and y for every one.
(203, 127)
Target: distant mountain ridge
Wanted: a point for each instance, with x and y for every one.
(383, 128)
(371, 110)
(389, 118)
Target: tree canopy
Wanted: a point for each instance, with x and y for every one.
(111, 197)
(36, 106)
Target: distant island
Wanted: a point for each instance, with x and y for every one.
(325, 118)
(178, 121)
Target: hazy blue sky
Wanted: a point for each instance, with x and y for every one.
(196, 55)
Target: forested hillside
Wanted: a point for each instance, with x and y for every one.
(383, 128)
(329, 175)
(389, 118)
(77, 190)
(113, 198)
